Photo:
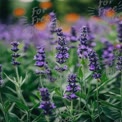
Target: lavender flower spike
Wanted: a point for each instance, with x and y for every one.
(15, 55)
(62, 50)
(73, 35)
(53, 20)
(83, 46)
(120, 31)
(119, 63)
(46, 105)
(71, 88)
(108, 54)
(94, 64)
(40, 58)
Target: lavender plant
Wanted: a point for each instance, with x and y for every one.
(77, 97)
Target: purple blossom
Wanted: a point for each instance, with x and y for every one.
(120, 31)
(108, 54)
(62, 50)
(46, 105)
(90, 37)
(83, 46)
(73, 34)
(40, 59)
(52, 24)
(119, 63)
(71, 88)
(15, 55)
(94, 64)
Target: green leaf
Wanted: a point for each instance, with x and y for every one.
(13, 117)
(110, 105)
(1, 107)
(20, 104)
(111, 113)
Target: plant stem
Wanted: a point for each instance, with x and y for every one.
(47, 118)
(71, 110)
(98, 101)
(28, 116)
(17, 74)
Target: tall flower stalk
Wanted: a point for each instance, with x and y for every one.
(18, 81)
(72, 88)
(46, 105)
(83, 46)
(94, 66)
(62, 51)
(42, 64)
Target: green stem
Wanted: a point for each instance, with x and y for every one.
(17, 74)
(28, 116)
(41, 82)
(71, 110)
(4, 113)
(98, 100)
(47, 118)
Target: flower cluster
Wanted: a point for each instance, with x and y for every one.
(15, 55)
(52, 22)
(83, 46)
(72, 87)
(91, 43)
(73, 36)
(119, 63)
(120, 31)
(62, 49)
(108, 54)
(40, 59)
(46, 105)
(94, 64)
(1, 81)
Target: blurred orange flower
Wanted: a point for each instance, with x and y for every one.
(46, 18)
(46, 5)
(72, 17)
(110, 13)
(95, 18)
(40, 25)
(19, 12)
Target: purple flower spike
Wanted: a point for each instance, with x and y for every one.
(46, 105)
(15, 55)
(108, 54)
(62, 50)
(53, 23)
(40, 59)
(119, 63)
(73, 37)
(120, 31)
(94, 64)
(72, 88)
(83, 46)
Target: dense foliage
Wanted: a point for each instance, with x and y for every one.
(77, 76)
